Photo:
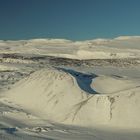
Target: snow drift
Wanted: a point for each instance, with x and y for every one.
(55, 95)
(111, 85)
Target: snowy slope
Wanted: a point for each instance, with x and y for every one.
(43, 95)
(111, 85)
(54, 95)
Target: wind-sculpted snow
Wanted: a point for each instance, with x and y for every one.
(62, 96)
(112, 85)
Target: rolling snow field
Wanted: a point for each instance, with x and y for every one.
(57, 89)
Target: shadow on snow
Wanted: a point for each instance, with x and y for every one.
(84, 80)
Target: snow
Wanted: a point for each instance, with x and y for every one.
(42, 97)
(110, 85)
(45, 93)
(91, 49)
(127, 37)
(7, 68)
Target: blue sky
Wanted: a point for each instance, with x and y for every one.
(70, 19)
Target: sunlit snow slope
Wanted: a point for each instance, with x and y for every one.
(62, 97)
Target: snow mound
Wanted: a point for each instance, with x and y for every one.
(48, 92)
(109, 85)
(55, 95)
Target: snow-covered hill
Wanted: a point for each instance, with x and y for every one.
(121, 47)
(70, 90)
(65, 97)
